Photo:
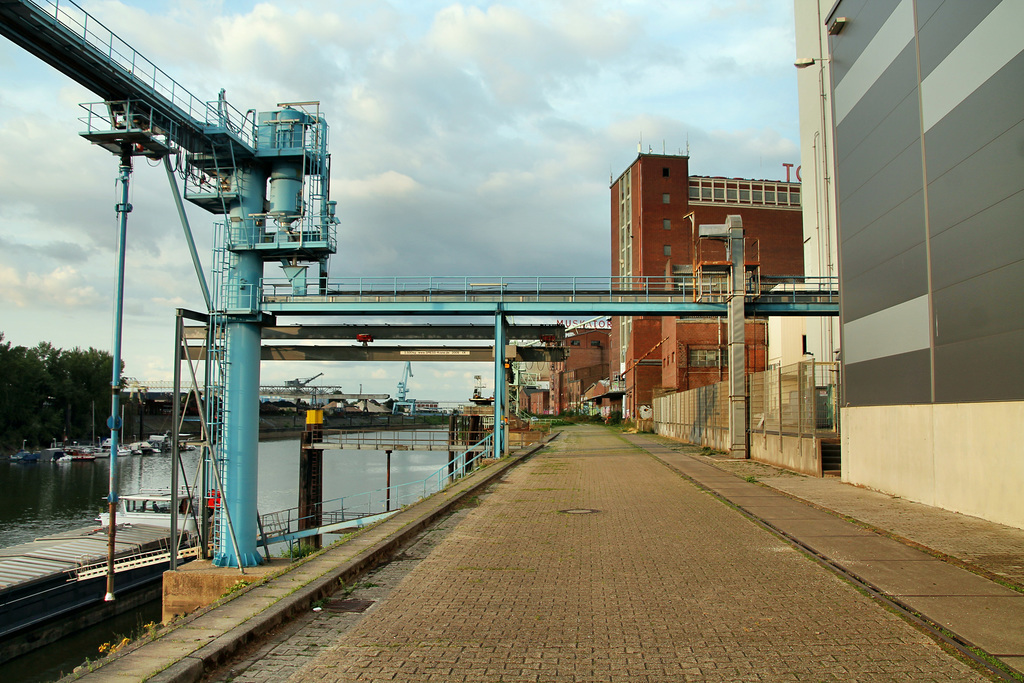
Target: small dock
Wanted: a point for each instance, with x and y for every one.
(399, 440)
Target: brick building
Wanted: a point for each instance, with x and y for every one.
(696, 351)
(586, 364)
(538, 401)
(655, 206)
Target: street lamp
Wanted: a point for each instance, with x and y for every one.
(822, 178)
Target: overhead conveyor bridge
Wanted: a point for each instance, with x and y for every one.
(70, 40)
(679, 296)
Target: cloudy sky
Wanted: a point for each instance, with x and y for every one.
(471, 138)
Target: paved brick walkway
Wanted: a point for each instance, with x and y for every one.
(662, 583)
(300, 641)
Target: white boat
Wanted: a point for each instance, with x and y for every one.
(77, 454)
(103, 451)
(153, 507)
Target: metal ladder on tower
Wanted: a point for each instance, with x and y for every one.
(217, 389)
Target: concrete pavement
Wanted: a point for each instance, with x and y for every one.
(186, 649)
(609, 557)
(593, 562)
(961, 573)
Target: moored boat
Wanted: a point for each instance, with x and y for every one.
(152, 507)
(25, 456)
(56, 584)
(77, 455)
(142, 448)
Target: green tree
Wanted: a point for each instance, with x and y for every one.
(47, 393)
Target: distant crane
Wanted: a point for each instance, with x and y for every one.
(403, 386)
(299, 383)
(403, 392)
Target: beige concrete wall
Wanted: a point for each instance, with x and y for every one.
(790, 452)
(198, 584)
(966, 457)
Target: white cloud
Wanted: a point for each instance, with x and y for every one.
(382, 186)
(466, 138)
(62, 288)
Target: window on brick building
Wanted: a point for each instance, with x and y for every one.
(666, 223)
(595, 342)
(707, 358)
(665, 198)
(664, 172)
(668, 250)
(574, 342)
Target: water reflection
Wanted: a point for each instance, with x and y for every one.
(44, 498)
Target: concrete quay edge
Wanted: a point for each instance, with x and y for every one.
(379, 543)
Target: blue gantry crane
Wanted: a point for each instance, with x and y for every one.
(267, 174)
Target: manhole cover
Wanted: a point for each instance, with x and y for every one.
(349, 605)
(579, 511)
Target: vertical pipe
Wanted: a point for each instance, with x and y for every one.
(123, 209)
(204, 478)
(452, 432)
(499, 383)
(388, 485)
(179, 330)
(188, 233)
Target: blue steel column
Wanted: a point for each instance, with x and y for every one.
(500, 337)
(240, 437)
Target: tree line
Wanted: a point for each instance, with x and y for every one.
(49, 394)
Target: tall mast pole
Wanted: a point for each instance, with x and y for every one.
(114, 422)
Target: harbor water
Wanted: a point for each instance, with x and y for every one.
(44, 498)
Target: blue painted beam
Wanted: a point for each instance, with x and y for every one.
(489, 308)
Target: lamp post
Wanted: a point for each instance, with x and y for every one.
(823, 184)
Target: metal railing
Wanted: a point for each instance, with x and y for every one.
(123, 564)
(394, 440)
(800, 400)
(280, 526)
(543, 288)
(118, 53)
(102, 117)
(253, 234)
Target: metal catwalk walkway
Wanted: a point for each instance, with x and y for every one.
(794, 295)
